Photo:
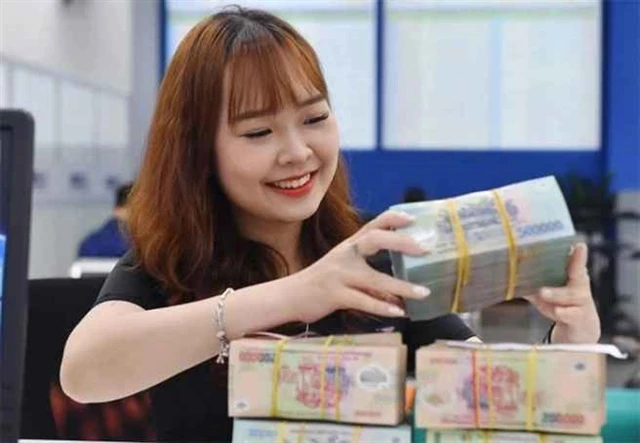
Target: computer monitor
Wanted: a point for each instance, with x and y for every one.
(16, 170)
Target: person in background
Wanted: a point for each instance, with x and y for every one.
(414, 194)
(241, 221)
(111, 239)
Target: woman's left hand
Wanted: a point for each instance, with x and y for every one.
(571, 307)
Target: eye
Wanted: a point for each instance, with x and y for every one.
(258, 134)
(317, 119)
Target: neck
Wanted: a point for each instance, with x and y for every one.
(283, 237)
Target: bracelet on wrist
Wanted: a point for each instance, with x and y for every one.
(221, 334)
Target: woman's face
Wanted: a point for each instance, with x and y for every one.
(276, 168)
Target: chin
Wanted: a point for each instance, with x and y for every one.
(294, 215)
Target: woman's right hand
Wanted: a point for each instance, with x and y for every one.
(343, 279)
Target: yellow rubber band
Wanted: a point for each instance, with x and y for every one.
(463, 255)
(486, 436)
(542, 438)
(476, 386)
(303, 429)
(323, 376)
(531, 386)
(275, 377)
(356, 434)
(282, 432)
(490, 388)
(511, 244)
(338, 380)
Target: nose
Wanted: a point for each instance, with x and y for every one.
(295, 149)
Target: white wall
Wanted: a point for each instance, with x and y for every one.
(145, 72)
(90, 42)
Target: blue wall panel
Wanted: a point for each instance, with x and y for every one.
(380, 177)
(622, 92)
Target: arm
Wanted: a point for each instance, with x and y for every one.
(119, 348)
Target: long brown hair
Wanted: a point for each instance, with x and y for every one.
(181, 223)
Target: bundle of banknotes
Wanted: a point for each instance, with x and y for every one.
(354, 379)
(519, 235)
(551, 388)
(478, 436)
(268, 431)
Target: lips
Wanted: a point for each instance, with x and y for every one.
(294, 186)
(293, 182)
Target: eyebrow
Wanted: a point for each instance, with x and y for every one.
(262, 112)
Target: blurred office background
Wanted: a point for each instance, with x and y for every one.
(446, 96)
(449, 96)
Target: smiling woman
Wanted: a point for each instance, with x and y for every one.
(272, 122)
(242, 193)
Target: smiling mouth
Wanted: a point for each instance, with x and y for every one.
(296, 187)
(294, 183)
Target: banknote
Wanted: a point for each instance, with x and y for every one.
(306, 379)
(520, 234)
(268, 431)
(481, 436)
(551, 388)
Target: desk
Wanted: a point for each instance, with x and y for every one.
(623, 420)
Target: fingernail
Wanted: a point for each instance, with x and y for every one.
(405, 215)
(572, 250)
(544, 292)
(426, 238)
(396, 311)
(421, 291)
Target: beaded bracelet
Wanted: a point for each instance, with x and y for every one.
(221, 334)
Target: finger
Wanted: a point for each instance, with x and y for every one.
(568, 315)
(388, 220)
(577, 267)
(374, 241)
(390, 298)
(362, 302)
(543, 308)
(380, 282)
(384, 296)
(565, 296)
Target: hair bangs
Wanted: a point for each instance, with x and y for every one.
(265, 77)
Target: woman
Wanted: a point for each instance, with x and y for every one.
(243, 187)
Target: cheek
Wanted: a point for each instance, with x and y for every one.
(242, 173)
(329, 148)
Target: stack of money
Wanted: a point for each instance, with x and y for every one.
(551, 388)
(361, 381)
(477, 436)
(267, 431)
(516, 239)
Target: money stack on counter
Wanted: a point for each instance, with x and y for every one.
(487, 247)
(501, 393)
(319, 390)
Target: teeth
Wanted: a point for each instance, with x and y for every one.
(292, 184)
